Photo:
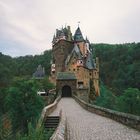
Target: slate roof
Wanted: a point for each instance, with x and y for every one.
(75, 50)
(89, 61)
(78, 37)
(65, 76)
(40, 72)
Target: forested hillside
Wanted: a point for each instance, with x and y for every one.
(119, 65)
(22, 66)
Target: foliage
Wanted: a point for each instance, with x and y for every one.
(26, 65)
(119, 65)
(23, 104)
(3, 94)
(129, 101)
(5, 128)
(46, 85)
(106, 98)
(7, 69)
(35, 134)
(22, 66)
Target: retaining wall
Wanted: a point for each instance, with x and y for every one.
(48, 110)
(61, 131)
(125, 118)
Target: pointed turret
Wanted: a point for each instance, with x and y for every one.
(78, 37)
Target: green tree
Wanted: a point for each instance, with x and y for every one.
(38, 133)
(24, 104)
(3, 95)
(106, 98)
(129, 102)
(46, 84)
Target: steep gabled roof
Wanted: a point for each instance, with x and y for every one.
(40, 72)
(76, 51)
(89, 61)
(78, 37)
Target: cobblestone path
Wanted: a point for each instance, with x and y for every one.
(83, 125)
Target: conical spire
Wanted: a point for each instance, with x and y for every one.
(78, 37)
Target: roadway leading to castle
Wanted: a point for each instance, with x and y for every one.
(84, 125)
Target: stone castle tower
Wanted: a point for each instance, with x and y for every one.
(73, 66)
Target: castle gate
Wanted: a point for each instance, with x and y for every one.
(66, 84)
(66, 91)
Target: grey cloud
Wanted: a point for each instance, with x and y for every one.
(32, 23)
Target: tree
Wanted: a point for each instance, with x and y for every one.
(129, 102)
(106, 98)
(24, 104)
(46, 84)
(3, 95)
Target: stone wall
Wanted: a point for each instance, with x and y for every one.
(125, 118)
(61, 83)
(47, 111)
(61, 131)
(83, 94)
(60, 52)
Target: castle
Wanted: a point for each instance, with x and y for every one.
(73, 66)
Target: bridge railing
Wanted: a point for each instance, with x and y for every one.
(61, 131)
(125, 118)
(48, 110)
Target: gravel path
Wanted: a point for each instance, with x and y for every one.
(83, 125)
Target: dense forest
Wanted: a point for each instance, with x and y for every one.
(23, 66)
(119, 82)
(119, 65)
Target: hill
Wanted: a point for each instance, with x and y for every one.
(119, 65)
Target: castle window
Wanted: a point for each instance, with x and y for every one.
(69, 69)
(90, 74)
(53, 72)
(73, 69)
(80, 84)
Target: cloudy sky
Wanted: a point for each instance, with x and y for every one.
(27, 26)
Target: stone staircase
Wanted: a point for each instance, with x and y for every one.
(51, 123)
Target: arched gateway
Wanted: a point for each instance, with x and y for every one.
(66, 84)
(66, 91)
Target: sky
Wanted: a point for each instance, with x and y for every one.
(27, 26)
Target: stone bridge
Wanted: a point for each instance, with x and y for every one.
(84, 125)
